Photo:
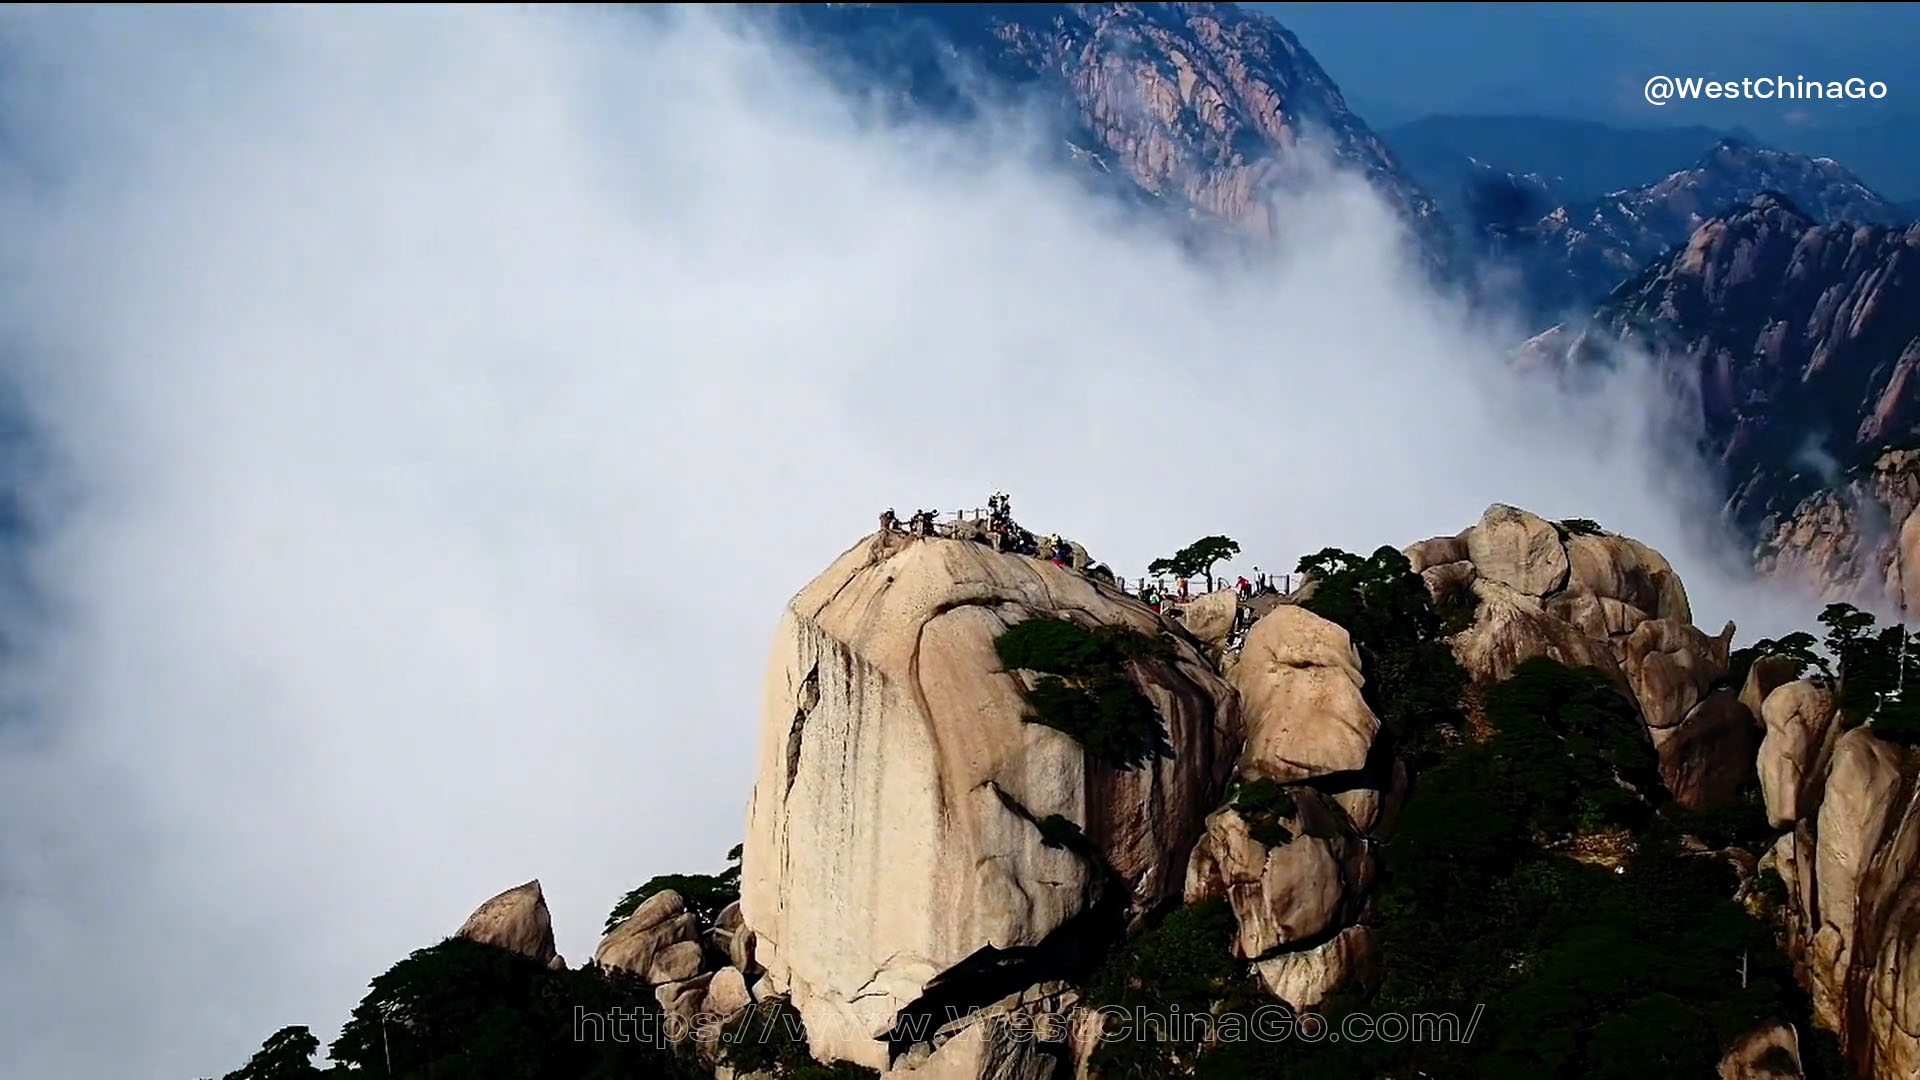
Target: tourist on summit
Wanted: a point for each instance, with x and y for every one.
(1245, 587)
(1181, 585)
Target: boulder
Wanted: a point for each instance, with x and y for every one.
(1628, 572)
(1299, 682)
(1707, 758)
(1765, 675)
(1438, 551)
(516, 920)
(892, 829)
(1769, 1052)
(656, 926)
(675, 963)
(1210, 618)
(1304, 979)
(726, 994)
(1600, 617)
(1510, 627)
(1314, 883)
(1797, 716)
(1670, 666)
(1518, 549)
(1449, 583)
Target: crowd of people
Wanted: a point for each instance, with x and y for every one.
(998, 529)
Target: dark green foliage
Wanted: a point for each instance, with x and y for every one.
(1583, 972)
(286, 1055)
(1578, 527)
(1798, 647)
(1263, 803)
(1869, 672)
(1413, 683)
(706, 895)
(1184, 963)
(768, 1037)
(1564, 742)
(463, 1009)
(1739, 822)
(1196, 559)
(1085, 689)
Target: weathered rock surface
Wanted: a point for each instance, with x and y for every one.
(1312, 884)
(884, 844)
(1708, 758)
(642, 942)
(1299, 682)
(1517, 549)
(1600, 601)
(1304, 979)
(1852, 872)
(1210, 618)
(1797, 716)
(516, 920)
(1023, 1036)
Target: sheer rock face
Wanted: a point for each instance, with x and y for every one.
(516, 920)
(1304, 979)
(892, 828)
(1852, 872)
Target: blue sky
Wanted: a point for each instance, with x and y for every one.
(1399, 61)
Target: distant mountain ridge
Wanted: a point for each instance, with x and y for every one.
(1200, 107)
(1575, 255)
(1803, 338)
(1583, 159)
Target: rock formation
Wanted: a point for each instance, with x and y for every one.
(896, 825)
(1203, 109)
(1851, 870)
(1588, 598)
(1802, 336)
(516, 920)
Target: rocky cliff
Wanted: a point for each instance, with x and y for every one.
(894, 840)
(1802, 339)
(1204, 108)
(1575, 254)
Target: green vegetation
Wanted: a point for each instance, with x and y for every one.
(461, 1009)
(706, 895)
(1583, 970)
(1798, 648)
(1262, 803)
(1413, 682)
(1578, 527)
(1185, 963)
(1197, 559)
(1085, 689)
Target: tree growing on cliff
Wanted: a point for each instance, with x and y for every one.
(1197, 559)
(1413, 683)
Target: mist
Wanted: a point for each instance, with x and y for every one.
(435, 409)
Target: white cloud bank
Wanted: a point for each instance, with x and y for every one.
(446, 402)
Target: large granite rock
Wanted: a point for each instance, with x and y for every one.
(1299, 682)
(516, 920)
(893, 827)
